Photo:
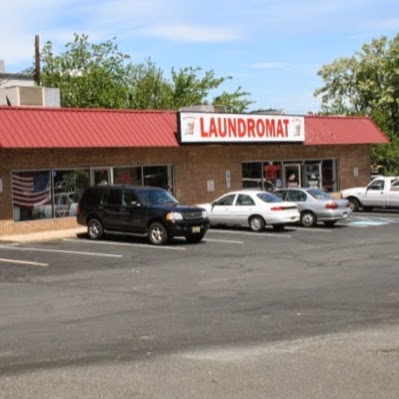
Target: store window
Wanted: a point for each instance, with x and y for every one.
(131, 175)
(272, 174)
(262, 175)
(31, 192)
(69, 185)
(47, 194)
(50, 194)
(158, 176)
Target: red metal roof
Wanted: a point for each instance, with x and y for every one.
(22, 127)
(330, 130)
(86, 128)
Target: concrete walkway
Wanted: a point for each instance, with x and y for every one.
(44, 235)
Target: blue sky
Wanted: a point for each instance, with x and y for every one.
(272, 48)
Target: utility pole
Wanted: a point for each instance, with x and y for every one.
(37, 61)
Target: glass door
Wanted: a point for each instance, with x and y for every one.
(312, 174)
(100, 176)
(292, 175)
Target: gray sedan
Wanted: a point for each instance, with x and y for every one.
(316, 205)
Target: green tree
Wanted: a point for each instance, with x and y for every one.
(146, 85)
(368, 84)
(100, 76)
(88, 75)
(235, 102)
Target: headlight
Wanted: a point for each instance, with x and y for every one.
(174, 216)
(204, 214)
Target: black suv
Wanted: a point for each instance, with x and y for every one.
(150, 212)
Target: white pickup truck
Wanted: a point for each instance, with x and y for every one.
(382, 192)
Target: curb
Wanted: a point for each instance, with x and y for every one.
(43, 235)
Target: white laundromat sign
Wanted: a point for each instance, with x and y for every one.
(199, 127)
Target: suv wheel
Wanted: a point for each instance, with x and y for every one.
(157, 234)
(95, 229)
(194, 238)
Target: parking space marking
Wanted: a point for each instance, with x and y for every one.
(312, 229)
(360, 221)
(252, 233)
(224, 241)
(23, 262)
(60, 251)
(125, 244)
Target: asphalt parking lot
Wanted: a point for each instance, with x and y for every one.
(305, 313)
(48, 255)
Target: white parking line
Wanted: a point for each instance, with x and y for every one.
(313, 230)
(125, 244)
(23, 262)
(251, 233)
(224, 241)
(61, 251)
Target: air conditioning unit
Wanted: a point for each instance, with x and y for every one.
(30, 96)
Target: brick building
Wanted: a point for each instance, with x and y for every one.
(50, 155)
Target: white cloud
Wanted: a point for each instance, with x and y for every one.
(190, 33)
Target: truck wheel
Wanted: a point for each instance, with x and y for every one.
(157, 234)
(354, 204)
(308, 219)
(95, 229)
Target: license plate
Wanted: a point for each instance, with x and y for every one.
(196, 229)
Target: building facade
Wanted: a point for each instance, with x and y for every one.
(50, 155)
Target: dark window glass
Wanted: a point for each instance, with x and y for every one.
(244, 200)
(114, 197)
(129, 197)
(227, 200)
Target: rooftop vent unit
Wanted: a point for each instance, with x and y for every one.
(30, 96)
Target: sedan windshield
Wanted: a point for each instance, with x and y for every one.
(267, 197)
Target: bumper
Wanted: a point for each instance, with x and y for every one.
(325, 216)
(177, 229)
(286, 219)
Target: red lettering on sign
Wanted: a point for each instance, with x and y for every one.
(243, 128)
(202, 129)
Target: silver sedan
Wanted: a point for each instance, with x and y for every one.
(316, 205)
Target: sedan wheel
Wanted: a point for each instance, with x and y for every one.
(157, 234)
(256, 223)
(308, 219)
(95, 229)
